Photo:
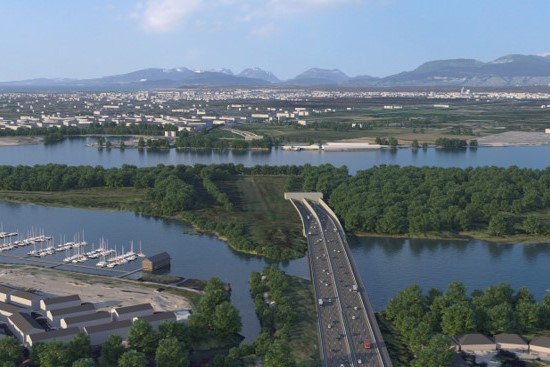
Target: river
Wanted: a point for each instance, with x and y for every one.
(386, 265)
(74, 152)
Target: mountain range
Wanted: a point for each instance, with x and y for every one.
(511, 70)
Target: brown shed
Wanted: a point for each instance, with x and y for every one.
(156, 262)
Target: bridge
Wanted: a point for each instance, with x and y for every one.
(349, 335)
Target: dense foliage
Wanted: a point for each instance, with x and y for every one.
(210, 142)
(169, 346)
(420, 318)
(384, 199)
(394, 200)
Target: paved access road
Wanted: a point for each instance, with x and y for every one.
(345, 318)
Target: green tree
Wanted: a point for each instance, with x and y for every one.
(437, 353)
(54, 354)
(226, 319)
(84, 362)
(80, 347)
(458, 319)
(141, 143)
(279, 354)
(499, 225)
(178, 330)
(111, 351)
(10, 350)
(415, 144)
(501, 318)
(132, 358)
(170, 352)
(142, 338)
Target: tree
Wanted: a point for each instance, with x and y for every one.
(80, 347)
(501, 319)
(458, 319)
(415, 144)
(141, 143)
(10, 350)
(132, 358)
(170, 352)
(111, 351)
(54, 354)
(499, 225)
(279, 354)
(84, 362)
(437, 353)
(178, 330)
(142, 338)
(226, 319)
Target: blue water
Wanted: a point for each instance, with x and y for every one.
(74, 152)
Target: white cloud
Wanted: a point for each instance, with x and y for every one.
(300, 6)
(264, 30)
(164, 15)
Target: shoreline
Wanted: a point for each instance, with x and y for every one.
(9, 141)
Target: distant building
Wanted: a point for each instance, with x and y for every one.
(5, 293)
(98, 318)
(55, 316)
(55, 303)
(100, 333)
(157, 318)
(7, 310)
(60, 335)
(156, 262)
(129, 312)
(26, 299)
(22, 325)
(476, 343)
(547, 131)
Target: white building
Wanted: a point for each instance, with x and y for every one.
(60, 335)
(100, 333)
(26, 299)
(98, 318)
(55, 303)
(158, 318)
(5, 293)
(22, 325)
(56, 315)
(129, 312)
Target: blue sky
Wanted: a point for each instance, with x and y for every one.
(83, 39)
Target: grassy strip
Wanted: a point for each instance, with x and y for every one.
(303, 333)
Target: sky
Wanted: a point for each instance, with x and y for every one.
(87, 39)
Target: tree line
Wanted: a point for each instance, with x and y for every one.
(167, 347)
(426, 321)
(399, 200)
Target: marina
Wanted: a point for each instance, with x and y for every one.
(75, 251)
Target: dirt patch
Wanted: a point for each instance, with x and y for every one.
(102, 291)
(19, 140)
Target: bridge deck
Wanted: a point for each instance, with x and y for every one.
(345, 317)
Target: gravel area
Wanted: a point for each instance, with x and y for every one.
(102, 291)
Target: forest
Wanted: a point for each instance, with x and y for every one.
(387, 200)
(425, 322)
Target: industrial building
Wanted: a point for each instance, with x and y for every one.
(156, 262)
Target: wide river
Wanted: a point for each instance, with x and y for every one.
(386, 265)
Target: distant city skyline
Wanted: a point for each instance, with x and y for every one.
(360, 37)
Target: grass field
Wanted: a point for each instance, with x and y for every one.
(260, 206)
(95, 198)
(304, 338)
(421, 122)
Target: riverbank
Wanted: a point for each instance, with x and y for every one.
(100, 290)
(522, 239)
(6, 141)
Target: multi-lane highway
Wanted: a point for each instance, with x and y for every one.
(345, 318)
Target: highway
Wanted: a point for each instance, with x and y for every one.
(345, 318)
